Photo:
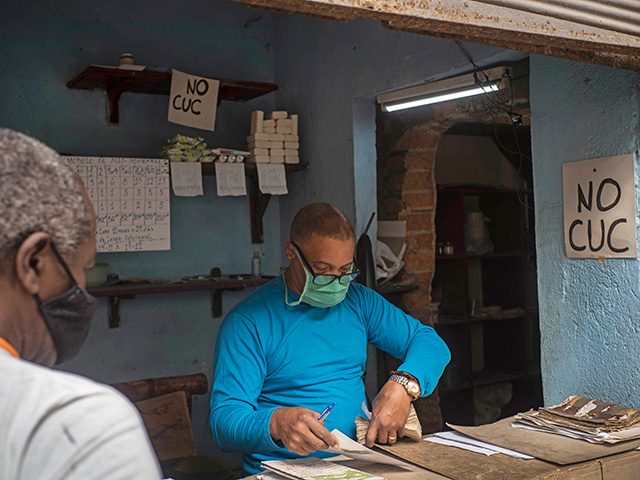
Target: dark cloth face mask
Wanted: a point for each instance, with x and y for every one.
(68, 316)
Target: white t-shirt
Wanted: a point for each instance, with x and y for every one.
(56, 426)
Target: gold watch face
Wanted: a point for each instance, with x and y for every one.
(413, 388)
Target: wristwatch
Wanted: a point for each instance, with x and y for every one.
(409, 382)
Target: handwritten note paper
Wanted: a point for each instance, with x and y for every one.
(193, 100)
(131, 199)
(272, 178)
(186, 179)
(230, 179)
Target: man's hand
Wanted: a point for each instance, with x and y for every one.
(300, 431)
(390, 412)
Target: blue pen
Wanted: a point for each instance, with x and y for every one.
(325, 413)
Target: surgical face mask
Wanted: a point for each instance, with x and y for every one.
(68, 316)
(322, 291)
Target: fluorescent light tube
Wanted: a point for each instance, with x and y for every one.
(421, 101)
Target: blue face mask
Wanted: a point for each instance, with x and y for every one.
(321, 291)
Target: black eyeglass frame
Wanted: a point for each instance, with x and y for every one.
(350, 276)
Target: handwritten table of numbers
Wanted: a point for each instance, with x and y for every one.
(131, 199)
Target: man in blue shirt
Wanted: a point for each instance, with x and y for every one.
(300, 343)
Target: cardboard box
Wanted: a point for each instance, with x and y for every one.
(292, 159)
(280, 152)
(291, 145)
(258, 136)
(291, 138)
(276, 158)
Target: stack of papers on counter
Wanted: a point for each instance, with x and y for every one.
(458, 440)
(586, 419)
(314, 469)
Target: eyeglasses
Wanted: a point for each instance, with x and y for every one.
(322, 280)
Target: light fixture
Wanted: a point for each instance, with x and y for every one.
(452, 88)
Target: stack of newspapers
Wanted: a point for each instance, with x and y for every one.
(584, 418)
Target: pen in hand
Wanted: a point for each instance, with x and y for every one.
(325, 413)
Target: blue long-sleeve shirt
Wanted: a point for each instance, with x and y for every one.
(270, 355)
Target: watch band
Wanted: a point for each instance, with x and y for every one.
(409, 382)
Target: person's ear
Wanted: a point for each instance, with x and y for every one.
(29, 261)
(290, 251)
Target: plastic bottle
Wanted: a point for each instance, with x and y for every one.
(256, 260)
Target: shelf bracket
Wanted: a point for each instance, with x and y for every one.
(258, 203)
(114, 310)
(114, 92)
(216, 295)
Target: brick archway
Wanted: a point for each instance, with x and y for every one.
(407, 148)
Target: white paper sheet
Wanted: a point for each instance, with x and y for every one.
(131, 199)
(230, 179)
(186, 179)
(193, 100)
(352, 449)
(272, 178)
(464, 446)
(458, 437)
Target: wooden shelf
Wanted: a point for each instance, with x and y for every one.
(215, 284)
(126, 289)
(116, 81)
(209, 169)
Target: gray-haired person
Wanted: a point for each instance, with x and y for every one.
(53, 425)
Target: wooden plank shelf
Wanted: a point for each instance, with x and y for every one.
(127, 289)
(215, 284)
(116, 81)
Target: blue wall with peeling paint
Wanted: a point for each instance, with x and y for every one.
(44, 44)
(588, 312)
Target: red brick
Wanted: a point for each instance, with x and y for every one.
(419, 138)
(419, 261)
(423, 279)
(416, 181)
(416, 201)
(419, 241)
(420, 159)
(417, 304)
(416, 222)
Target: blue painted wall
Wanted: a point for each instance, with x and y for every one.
(588, 312)
(330, 72)
(44, 44)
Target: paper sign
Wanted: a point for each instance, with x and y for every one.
(272, 178)
(193, 100)
(186, 179)
(230, 179)
(131, 199)
(599, 198)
